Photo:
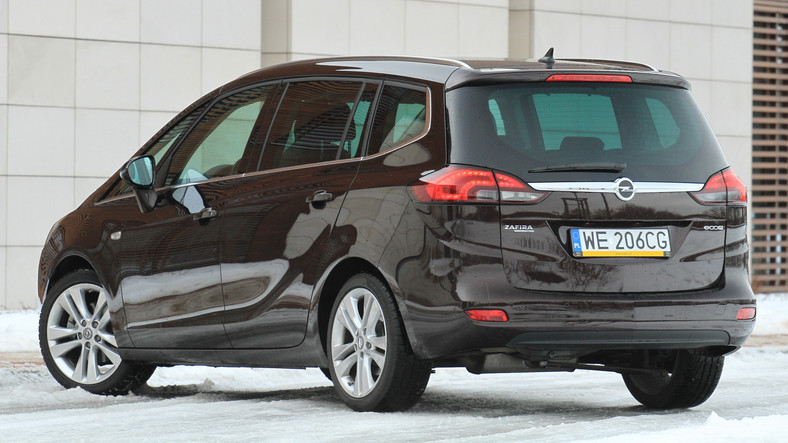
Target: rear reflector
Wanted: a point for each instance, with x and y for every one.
(463, 184)
(722, 187)
(746, 314)
(496, 315)
(589, 78)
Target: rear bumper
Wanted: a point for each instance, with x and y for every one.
(550, 325)
(626, 339)
(564, 345)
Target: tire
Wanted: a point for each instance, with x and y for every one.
(77, 342)
(365, 331)
(690, 380)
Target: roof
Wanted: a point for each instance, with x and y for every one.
(454, 73)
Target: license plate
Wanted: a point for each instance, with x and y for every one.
(620, 242)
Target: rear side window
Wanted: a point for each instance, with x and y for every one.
(352, 147)
(401, 116)
(313, 123)
(658, 132)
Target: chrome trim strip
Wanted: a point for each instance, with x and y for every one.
(610, 187)
(427, 128)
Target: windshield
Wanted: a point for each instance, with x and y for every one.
(549, 131)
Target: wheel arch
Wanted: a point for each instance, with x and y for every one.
(66, 265)
(336, 278)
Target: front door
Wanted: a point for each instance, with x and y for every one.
(170, 261)
(171, 276)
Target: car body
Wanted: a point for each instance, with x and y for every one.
(476, 202)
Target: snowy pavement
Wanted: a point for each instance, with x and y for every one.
(228, 404)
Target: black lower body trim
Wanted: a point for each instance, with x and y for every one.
(620, 339)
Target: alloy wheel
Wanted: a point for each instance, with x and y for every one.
(79, 335)
(358, 342)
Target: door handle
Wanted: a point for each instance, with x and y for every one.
(320, 196)
(206, 214)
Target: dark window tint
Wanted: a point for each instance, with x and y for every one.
(495, 111)
(216, 146)
(657, 131)
(567, 117)
(159, 149)
(667, 129)
(311, 122)
(400, 117)
(352, 146)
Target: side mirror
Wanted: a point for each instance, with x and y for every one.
(139, 173)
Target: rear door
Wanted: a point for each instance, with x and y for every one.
(279, 224)
(620, 163)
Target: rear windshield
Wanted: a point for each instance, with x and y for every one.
(653, 133)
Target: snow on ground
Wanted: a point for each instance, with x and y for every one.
(772, 314)
(242, 404)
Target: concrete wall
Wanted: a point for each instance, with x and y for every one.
(83, 83)
(298, 29)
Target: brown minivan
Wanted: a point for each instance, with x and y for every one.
(378, 217)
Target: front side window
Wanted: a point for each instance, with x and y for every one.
(216, 146)
(312, 124)
(401, 116)
(160, 148)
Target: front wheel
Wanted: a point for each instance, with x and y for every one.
(372, 365)
(77, 340)
(689, 378)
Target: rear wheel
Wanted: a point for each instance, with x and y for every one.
(77, 340)
(689, 379)
(372, 365)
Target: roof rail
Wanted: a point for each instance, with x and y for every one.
(459, 63)
(410, 58)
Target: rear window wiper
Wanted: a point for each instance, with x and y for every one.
(585, 167)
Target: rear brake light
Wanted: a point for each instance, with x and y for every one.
(723, 187)
(737, 192)
(589, 78)
(493, 315)
(513, 190)
(746, 314)
(462, 184)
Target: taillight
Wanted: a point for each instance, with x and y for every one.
(737, 192)
(589, 78)
(513, 190)
(463, 184)
(493, 315)
(722, 187)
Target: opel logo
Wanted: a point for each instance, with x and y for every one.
(625, 189)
